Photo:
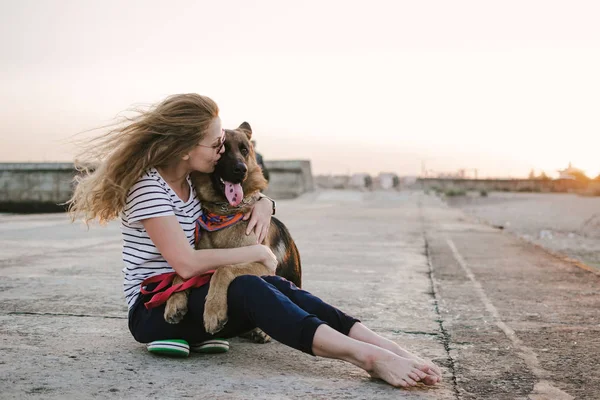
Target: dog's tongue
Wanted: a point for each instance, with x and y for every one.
(234, 193)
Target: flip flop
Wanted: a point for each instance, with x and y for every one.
(170, 347)
(212, 346)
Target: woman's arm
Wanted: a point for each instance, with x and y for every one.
(169, 238)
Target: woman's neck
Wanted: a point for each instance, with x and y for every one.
(174, 175)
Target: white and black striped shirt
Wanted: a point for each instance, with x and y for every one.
(151, 197)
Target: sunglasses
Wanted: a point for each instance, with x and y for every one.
(217, 147)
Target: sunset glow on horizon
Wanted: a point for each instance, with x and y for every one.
(385, 86)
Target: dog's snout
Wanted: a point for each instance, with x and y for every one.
(240, 169)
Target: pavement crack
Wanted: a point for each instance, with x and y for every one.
(415, 332)
(63, 315)
(444, 335)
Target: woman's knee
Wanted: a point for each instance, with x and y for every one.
(282, 284)
(276, 280)
(244, 284)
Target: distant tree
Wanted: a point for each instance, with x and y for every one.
(532, 174)
(396, 181)
(543, 177)
(580, 176)
(368, 182)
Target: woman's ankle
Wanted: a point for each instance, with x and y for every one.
(372, 354)
(363, 355)
(364, 334)
(367, 360)
(332, 344)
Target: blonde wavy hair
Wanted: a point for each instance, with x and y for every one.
(111, 163)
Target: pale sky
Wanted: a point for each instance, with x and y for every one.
(369, 86)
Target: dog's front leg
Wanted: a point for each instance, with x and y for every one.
(177, 304)
(215, 307)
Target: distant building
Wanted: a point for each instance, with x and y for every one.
(357, 180)
(570, 173)
(332, 181)
(387, 180)
(361, 181)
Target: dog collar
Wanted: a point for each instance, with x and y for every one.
(211, 222)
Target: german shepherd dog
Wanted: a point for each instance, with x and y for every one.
(231, 189)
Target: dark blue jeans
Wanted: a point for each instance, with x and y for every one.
(286, 313)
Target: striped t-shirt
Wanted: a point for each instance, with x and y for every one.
(151, 197)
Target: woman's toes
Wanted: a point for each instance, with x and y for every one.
(420, 373)
(402, 384)
(435, 369)
(410, 381)
(430, 380)
(425, 368)
(414, 376)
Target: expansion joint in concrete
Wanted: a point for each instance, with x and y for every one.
(416, 332)
(444, 335)
(63, 315)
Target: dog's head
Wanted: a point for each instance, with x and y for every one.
(237, 174)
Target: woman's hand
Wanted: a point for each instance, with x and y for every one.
(260, 219)
(267, 257)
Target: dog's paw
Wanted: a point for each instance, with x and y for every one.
(215, 317)
(176, 308)
(257, 336)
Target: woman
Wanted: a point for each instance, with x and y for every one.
(142, 177)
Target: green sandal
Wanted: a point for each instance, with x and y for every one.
(181, 348)
(212, 346)
(171, 347)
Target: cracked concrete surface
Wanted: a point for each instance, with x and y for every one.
(381, 256)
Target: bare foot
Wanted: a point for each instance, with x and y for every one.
(432, 367)
(364, 334)
(434, 372)
(395, 370)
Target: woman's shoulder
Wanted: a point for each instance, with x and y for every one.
(148, 197)
(150, 181)
(149, 177)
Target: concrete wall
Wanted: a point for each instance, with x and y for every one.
(40, 187)
(384, 180)
(35, 187)
(510, 185)
(333, 181)
(289, 178)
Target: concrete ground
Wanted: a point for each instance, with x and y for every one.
(564, 223)
(503, 318)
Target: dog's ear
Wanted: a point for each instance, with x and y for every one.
(247, 129)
